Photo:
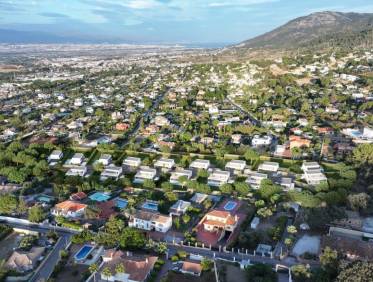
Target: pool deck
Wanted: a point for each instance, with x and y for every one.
(232, 211)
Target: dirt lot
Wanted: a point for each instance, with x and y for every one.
(177, 277)
(229, 272)
(71, 273)
(7, 245)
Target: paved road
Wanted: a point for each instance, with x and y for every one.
(231, 256)
(45, 269)
(252, 119)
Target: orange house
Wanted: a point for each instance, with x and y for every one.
(298, 142)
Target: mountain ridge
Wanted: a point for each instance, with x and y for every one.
(311, 29)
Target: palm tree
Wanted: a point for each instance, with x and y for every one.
(93, 268)
(107, 273)
(120, 268)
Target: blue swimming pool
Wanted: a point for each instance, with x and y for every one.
(100, 197)
(121, 203)
(150, 206)
(230, 205)
(83, 252)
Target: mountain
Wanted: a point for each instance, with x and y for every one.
(321, 29)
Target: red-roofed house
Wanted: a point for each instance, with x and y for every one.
(69, 209)
(137, 268)
(78, 196)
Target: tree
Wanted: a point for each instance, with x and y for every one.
(264, 212)
(251, 155)
(36, 214)
(120, 268)
(358, 201)
(226, 188)
(361, 271)
(22, 207)
(167, 186)
(106, 272)
(301, 273)
(329, 262)
(93, 268)
(206, 264)
(292, 229)
(242, 188)
(183, 180)
(260, 273)
(131, 238)
(161, 248)
(148, 184)
(8, 204)
(363, 154)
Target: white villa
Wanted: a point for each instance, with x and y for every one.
(77, 171)
(145, 173)
(175, 176)
(105, 159)
(77, 159)
(261, 140)
(269, 167)
(55, 156)
(132, 163)
(218, 178)
(166, 164)
(313, 173)
(179, 208)
(150, 221)
(235, 166)
(111, 171)
(255, 179)
(200, 164)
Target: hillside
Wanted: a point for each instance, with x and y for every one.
(322, 29)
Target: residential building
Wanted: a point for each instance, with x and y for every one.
(150, 221)
(235, 166)
(200, 164)
(218, 178)
(22, 261)
(55, 156)
(219, 221)
(137, 268)
(77, 171)
(77, 159)
(131, 163)
(255, 179)
(111, 171)
(166, 164)
(69, 209)
(191, 268)
(179, 208)
(313, 173)
(105, 159)
(145, 173)
(269, 167)
(175, 176)
(258, 141)
(79, 196)
(199, 198)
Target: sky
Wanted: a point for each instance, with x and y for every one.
(163, 21)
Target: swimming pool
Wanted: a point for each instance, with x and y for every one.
(100, 197)
(150, 206)
(230, 205)
(83, 252)
(121, 203)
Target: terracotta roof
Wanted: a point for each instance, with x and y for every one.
(137, 267)
(70, 206)
(78, 196)
(193, 267)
